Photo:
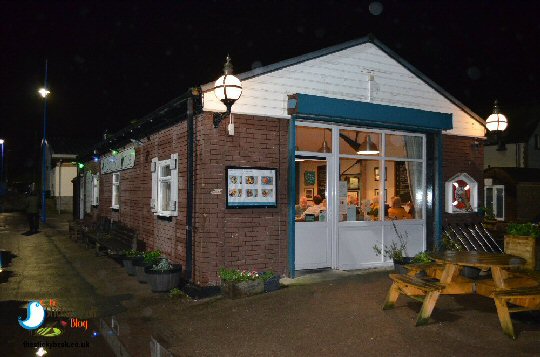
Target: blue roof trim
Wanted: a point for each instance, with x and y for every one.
(373, 115)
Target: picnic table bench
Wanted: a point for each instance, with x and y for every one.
(524, 299)
(118, 240)
(416, 288)
(504, 285)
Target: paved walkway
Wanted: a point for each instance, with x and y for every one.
(340, 315)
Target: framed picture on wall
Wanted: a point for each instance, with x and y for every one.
(385, 194)
(309, 178)
(352, 197)
(353, 183)
(378, 175)
(308, 192)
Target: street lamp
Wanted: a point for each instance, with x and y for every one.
(497, 123)
(2, 162)
(227, 89)
(44, 92)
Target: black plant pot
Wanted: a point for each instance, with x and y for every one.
(139, 266)
(128, 264)
(163, 281)
(399, 266)
(271, 284)
(470, 272)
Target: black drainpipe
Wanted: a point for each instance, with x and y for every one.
(190, 188)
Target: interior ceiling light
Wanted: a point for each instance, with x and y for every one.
(368, 147)
(324, 148)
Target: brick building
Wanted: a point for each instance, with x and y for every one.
(318, 127)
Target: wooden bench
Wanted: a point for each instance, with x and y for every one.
(118, 240)
(75, 231)
(522, 299)
(416, 288)
(92, 231)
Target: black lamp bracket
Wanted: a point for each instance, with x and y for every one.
(218, 117)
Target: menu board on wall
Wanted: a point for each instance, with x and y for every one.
(249, 187)
(402, 182)
(321, 181)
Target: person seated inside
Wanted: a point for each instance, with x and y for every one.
(409, 208)
(302, 206)
(396, 211)
(315, 209)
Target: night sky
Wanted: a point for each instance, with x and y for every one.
(110, 63)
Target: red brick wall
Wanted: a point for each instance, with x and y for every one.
(461, 155)
(135, 194)
(238, 238)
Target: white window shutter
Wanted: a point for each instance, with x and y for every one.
(153, 200)
(174, 185)
(96, 190)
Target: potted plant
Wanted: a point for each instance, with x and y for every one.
(271, 281)
(520, 240)
(129, 258)
(489, 220)
(396, 250)
(236, 284)
(163, 276)
(150, 258)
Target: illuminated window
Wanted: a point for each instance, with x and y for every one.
(95, 190)
(494, 200)
(116, 191)
(165, 186)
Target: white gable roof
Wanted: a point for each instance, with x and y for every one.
(362, 70)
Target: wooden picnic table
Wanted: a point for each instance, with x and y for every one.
(505, 285)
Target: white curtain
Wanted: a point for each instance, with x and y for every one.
(413, 147)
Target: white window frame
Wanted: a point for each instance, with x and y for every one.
(494, 207)
(157, 179)
(95, 190)
(115, 189)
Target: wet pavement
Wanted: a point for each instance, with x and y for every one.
(327, 314)
(35, 268)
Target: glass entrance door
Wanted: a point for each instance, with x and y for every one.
(312, 229)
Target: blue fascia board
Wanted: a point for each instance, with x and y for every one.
(375, 115)
(291, 192)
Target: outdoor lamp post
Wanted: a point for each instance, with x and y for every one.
(497, 123)
(44, 92)
(2, 162)
(227, 89)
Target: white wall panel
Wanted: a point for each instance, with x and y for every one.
(344, 75)
(355, 246)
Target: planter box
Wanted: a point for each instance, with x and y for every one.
(522, 246)
(243, 289)
(271, 284)
(128, 264)
(164, 281)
